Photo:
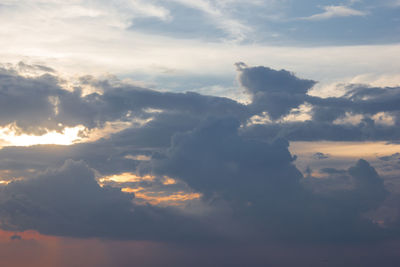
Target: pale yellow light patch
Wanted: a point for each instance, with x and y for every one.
(157, 198)
(109, 128)
(91, 135)
(10, 137)
(4, 182)
(132, 190)
(138, 157)
(328, 90)
(263, 118)
(173, 199)
(126, 177)
(378, 80)
(168, 180)
(317, 174)
(153, 110)
(349, 118)
(302, 113)
(345, 149)
(384, 119)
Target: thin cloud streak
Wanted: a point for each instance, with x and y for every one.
(335, 12)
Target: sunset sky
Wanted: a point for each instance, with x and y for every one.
(199, 133)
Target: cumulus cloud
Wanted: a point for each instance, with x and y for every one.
(214, 159)
(245, 174)
(265, 189)
(362, 113)
(258, 182)
(68, 201)
(276, 92)
(52, 107)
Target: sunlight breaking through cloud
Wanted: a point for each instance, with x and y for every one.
(69, 136)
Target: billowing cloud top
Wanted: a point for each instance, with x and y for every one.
(207, 157)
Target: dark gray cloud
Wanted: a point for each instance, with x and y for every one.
(265, 189)
(395, 156)
(68, 201)
(359, 99)
(276, 92)
(257, 180)
(51, 107)
(25, 101)
(321, 130)
(245, 173)
(320, 155)
(213, 158)
(279, 92)
(15, 237)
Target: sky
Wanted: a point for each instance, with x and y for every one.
(199, 133)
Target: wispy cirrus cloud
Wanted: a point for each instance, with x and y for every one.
(335, 12)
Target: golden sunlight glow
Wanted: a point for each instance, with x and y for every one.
(153, 196)
(263, 118)
(156, 198)
(302, 113)
(138, 157)
(9, 137)
(126, 177)
(168, 180)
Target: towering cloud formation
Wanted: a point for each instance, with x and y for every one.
(245, 174)
(276, 92)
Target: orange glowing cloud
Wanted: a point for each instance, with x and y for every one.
(161, 198)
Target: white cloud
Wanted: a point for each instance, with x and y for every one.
(336, 11)
(219, 12)
(99, 42)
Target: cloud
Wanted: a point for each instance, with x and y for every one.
(258, 181)
(68, 201)
(336, 11)
(395, 156)
(319, 131)
(15, 237)
(362, 113)
(276, 92)
(265, 189)
(245, 174)
(394, 3)
(220, 15)
(320, 155)
(214, 159)
(65, 201)
(52, 107)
